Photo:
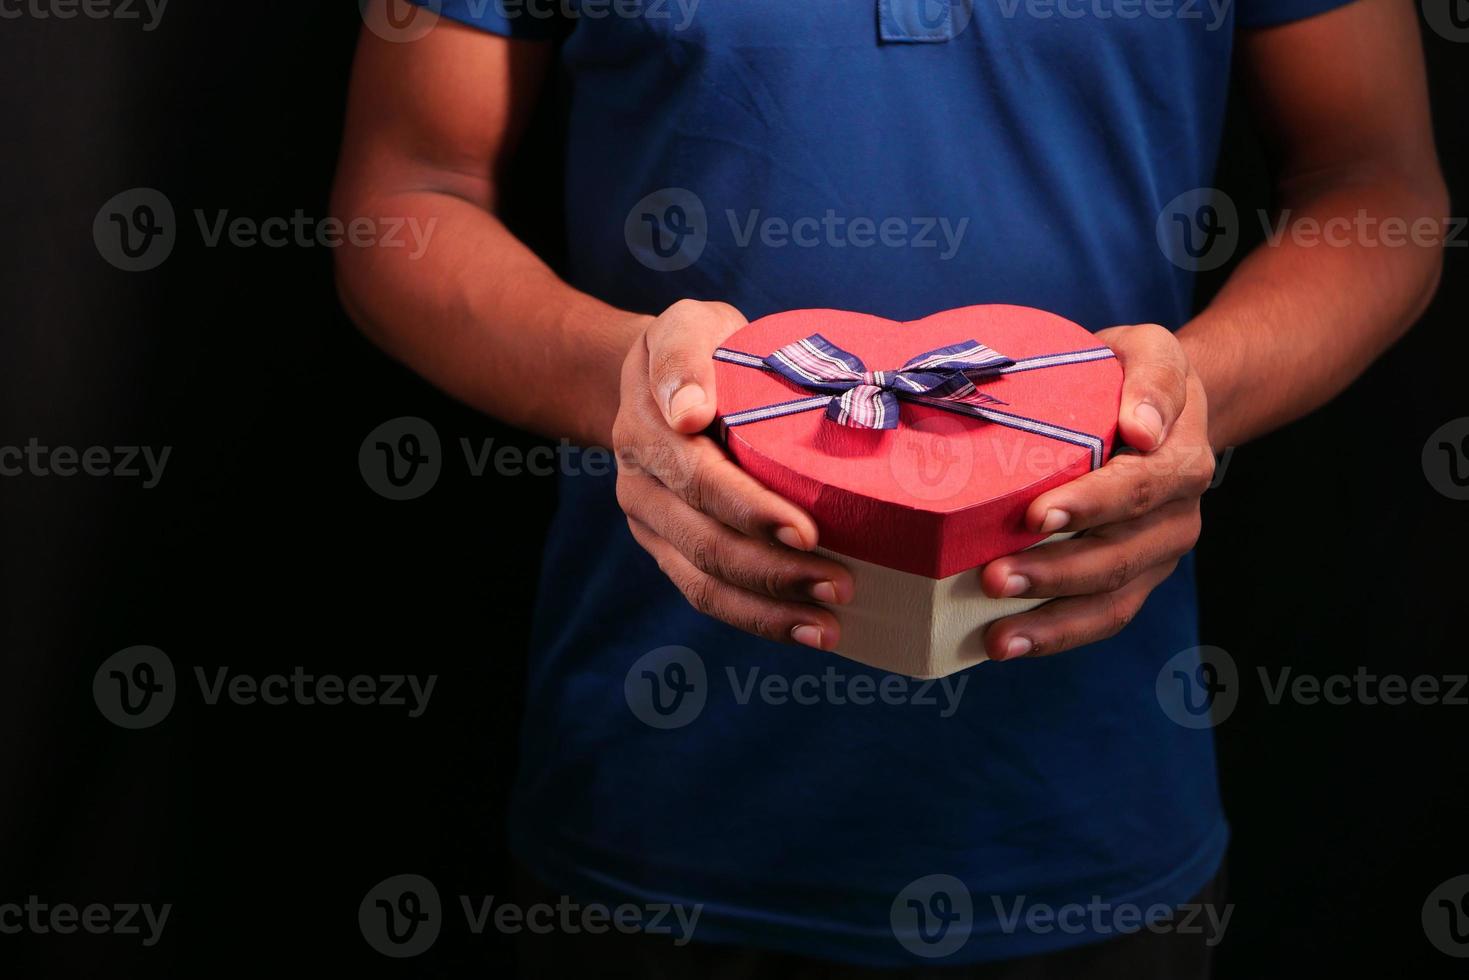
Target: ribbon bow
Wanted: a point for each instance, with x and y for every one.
(866, 399)
(941, 378)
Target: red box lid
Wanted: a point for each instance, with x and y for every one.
(942, 492)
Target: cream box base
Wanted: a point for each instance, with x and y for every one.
(916, 625)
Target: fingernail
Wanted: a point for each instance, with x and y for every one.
(824, 592)
(1149, 418)
(790, 537)
(1055, 520)
(1015, 585)
(687, 398)
(1018, 646)
(807, 636)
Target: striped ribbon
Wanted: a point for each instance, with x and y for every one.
(946, 378)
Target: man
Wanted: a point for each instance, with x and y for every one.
(1051, 142)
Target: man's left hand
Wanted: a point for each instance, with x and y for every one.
(1140, 511)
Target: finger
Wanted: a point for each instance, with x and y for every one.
(1126, 488)
(1154, 373)
(718, 550)
(681, 346)
(1131, 484)
(1102, 561)
(695, 468)
(784, 622)
(1065, 624)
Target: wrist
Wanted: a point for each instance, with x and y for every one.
(1218, 370)
(622, 331)
(594, 338)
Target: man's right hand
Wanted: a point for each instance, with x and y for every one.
(737, 551)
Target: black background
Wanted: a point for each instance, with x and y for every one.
(262, 549)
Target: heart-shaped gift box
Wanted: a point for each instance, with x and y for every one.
(977, 411)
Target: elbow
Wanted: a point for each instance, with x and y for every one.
(1412, 229)
(346, 277)
(1435, 205)
(1432, 279)
(350, 272)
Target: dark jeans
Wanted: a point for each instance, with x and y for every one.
(1172, 954)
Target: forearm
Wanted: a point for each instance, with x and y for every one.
(1304, 315)
(483, 318)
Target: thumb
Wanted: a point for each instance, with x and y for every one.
(1154, 382)
(681, 346)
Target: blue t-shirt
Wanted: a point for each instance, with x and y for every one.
(896, 157)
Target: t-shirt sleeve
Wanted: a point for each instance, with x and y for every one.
(1268, 13)
(529, 20)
